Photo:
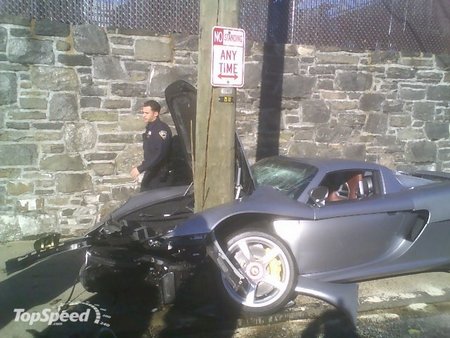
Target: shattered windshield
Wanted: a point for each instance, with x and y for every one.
(285, 175)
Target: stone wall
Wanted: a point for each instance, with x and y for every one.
(70, 132)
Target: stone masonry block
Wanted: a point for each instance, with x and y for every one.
(421, 152)
(354, 81)
(63, 107)
(90, 39)
(62, 162)
(30, 51)
(158, 49)
(54, 78)
(51, 28)
(3, 39)
(439, 93)
(371, 101)
(8, 88)
(108, 68)
(298, 86)
(315, 111)
(69, 183)
(18, 154)
(424, 110)
(436, 130)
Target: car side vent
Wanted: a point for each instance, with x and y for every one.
(416, 229)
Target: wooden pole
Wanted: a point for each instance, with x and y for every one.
(215, 122)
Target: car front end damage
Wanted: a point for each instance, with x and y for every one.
(127, 257)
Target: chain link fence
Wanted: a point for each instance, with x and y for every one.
(411, 25)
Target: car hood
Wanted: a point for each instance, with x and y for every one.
(181, 99)
(146, 198)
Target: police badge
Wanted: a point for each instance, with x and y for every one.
(163, 134)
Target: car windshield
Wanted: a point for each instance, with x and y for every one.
(285, 175)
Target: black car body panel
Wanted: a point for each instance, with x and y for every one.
(144, 199)
(181, 98)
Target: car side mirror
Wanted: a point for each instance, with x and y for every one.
(318, 195)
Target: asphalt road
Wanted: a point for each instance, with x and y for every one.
(407, 306)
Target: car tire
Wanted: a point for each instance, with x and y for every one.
(269, 267)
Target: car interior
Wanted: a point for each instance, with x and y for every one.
(349, 185)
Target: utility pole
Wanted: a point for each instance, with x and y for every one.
(216, 110)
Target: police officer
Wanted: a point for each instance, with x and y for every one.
(156, 144)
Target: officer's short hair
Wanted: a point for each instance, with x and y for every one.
(153, 104)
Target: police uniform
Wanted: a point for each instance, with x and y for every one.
(156, 144)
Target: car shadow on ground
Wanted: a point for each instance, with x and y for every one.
(333, 323)
(39, 283)
(199, 309)
(136, 312)
(124, 314)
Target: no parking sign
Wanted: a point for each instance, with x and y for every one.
(228, 57)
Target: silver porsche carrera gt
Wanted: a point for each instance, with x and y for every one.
(312, 226)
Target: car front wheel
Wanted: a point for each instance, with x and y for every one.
(269, 268)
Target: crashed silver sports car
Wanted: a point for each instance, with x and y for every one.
(312, 226)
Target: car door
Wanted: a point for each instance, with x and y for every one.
(352, 232)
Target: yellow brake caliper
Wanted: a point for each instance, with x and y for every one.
(274, 267)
